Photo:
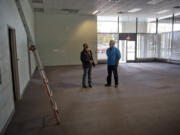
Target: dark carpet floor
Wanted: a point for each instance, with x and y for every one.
(147, 102)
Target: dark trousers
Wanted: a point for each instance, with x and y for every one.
(115, 72)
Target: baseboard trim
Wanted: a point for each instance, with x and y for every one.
(7, 123)
(148, 60)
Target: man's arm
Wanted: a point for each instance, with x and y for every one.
(118, 54)
(91, 55)
(82, 57)
(92, 59)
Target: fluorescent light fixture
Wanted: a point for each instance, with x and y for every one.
(113, 0)
(177, 14)
(165, 17)
(163, 11)
(95, 12)
(177, 7)
(134, 10)
(154, 2)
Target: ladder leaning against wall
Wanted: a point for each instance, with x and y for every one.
(44, 78)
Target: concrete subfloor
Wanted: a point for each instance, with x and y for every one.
(147, 102)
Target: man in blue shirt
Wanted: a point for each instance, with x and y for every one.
(114, 56)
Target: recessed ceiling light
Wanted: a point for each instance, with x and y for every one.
(154, 2)
(95, 12)
(134, 10)
(163, 11)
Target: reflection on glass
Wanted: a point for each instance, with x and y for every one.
(103, 44)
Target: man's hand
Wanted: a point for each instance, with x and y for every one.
(91, 61)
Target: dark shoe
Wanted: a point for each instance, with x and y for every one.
(107, 85)
(84, 86)
(116, 86)
(90, 86)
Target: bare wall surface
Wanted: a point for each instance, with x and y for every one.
(29, 15)
(9, 16)
(60, 37)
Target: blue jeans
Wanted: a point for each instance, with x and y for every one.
(85, 72)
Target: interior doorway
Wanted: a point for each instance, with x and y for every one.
(127, 46)
(14, 63)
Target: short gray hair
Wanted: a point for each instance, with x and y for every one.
(84, 45)
(112, 41)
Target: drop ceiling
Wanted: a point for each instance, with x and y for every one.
(149, 8)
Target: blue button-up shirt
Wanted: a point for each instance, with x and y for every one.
(113, 55)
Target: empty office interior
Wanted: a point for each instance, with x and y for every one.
(41, 71)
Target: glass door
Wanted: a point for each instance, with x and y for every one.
(130, 50)
(127, 49)
(127, 46)
(123, 50)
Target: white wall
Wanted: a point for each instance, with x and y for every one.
(29, 15)
(60, 37)
(9, 16)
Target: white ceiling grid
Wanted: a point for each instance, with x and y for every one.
(107, 7)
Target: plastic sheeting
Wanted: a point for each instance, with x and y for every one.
(163, 45)
(176, 46)
(146, 46)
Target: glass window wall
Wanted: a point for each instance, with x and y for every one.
(146, 46)
(127, 25)
(107, 24)
(165, 25)
(103, 44)
(177, 23)
(146, 25)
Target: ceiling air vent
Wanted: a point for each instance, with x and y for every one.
(39, 9)
(120, 12)
(72, 11)
(177, 7)
(37, 1)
